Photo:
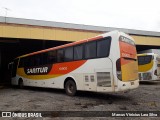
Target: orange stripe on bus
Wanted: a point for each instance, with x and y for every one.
(67, 67)
(128, 51)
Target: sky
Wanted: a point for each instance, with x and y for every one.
(130, 14)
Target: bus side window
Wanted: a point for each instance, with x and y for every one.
(29, 61)
(90, 50)
(78, 52)
(60, 55)
(32, 61)
(44, 58)
(52, 57)
(37, 60)
(103, 47)
(41, 59)
(25, 61)
(21, 63)
(68, 54)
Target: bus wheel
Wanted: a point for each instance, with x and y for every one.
(70, 88)
(20, 84)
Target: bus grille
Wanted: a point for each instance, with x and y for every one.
(103, 79)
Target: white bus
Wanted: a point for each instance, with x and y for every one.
(105, 63)
(149, 66)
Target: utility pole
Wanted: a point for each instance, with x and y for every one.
(6, 11)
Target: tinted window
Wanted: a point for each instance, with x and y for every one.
(60, 55)
(142, 60)
(68, 55)
(26, 61)
(90, 50)
(38, 59)
(44, 58)
(52, 57)
(78, 52)
(34, 60)
(103, 47)
(21, 62)
(30, 61)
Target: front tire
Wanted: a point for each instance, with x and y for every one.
(70, 88)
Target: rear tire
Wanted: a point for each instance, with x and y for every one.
(70, 88)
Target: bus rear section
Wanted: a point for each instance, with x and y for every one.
(148, 67)
(126, 65)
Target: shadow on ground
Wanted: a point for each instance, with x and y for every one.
(149, 82)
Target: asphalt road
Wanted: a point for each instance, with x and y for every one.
(144, 98)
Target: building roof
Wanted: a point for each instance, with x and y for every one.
(74, 26)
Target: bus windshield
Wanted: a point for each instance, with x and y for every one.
(142, 60)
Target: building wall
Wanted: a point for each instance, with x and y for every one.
(43, 33)
(51, 33)
(146, 40)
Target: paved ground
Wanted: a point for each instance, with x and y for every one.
(144, 98)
